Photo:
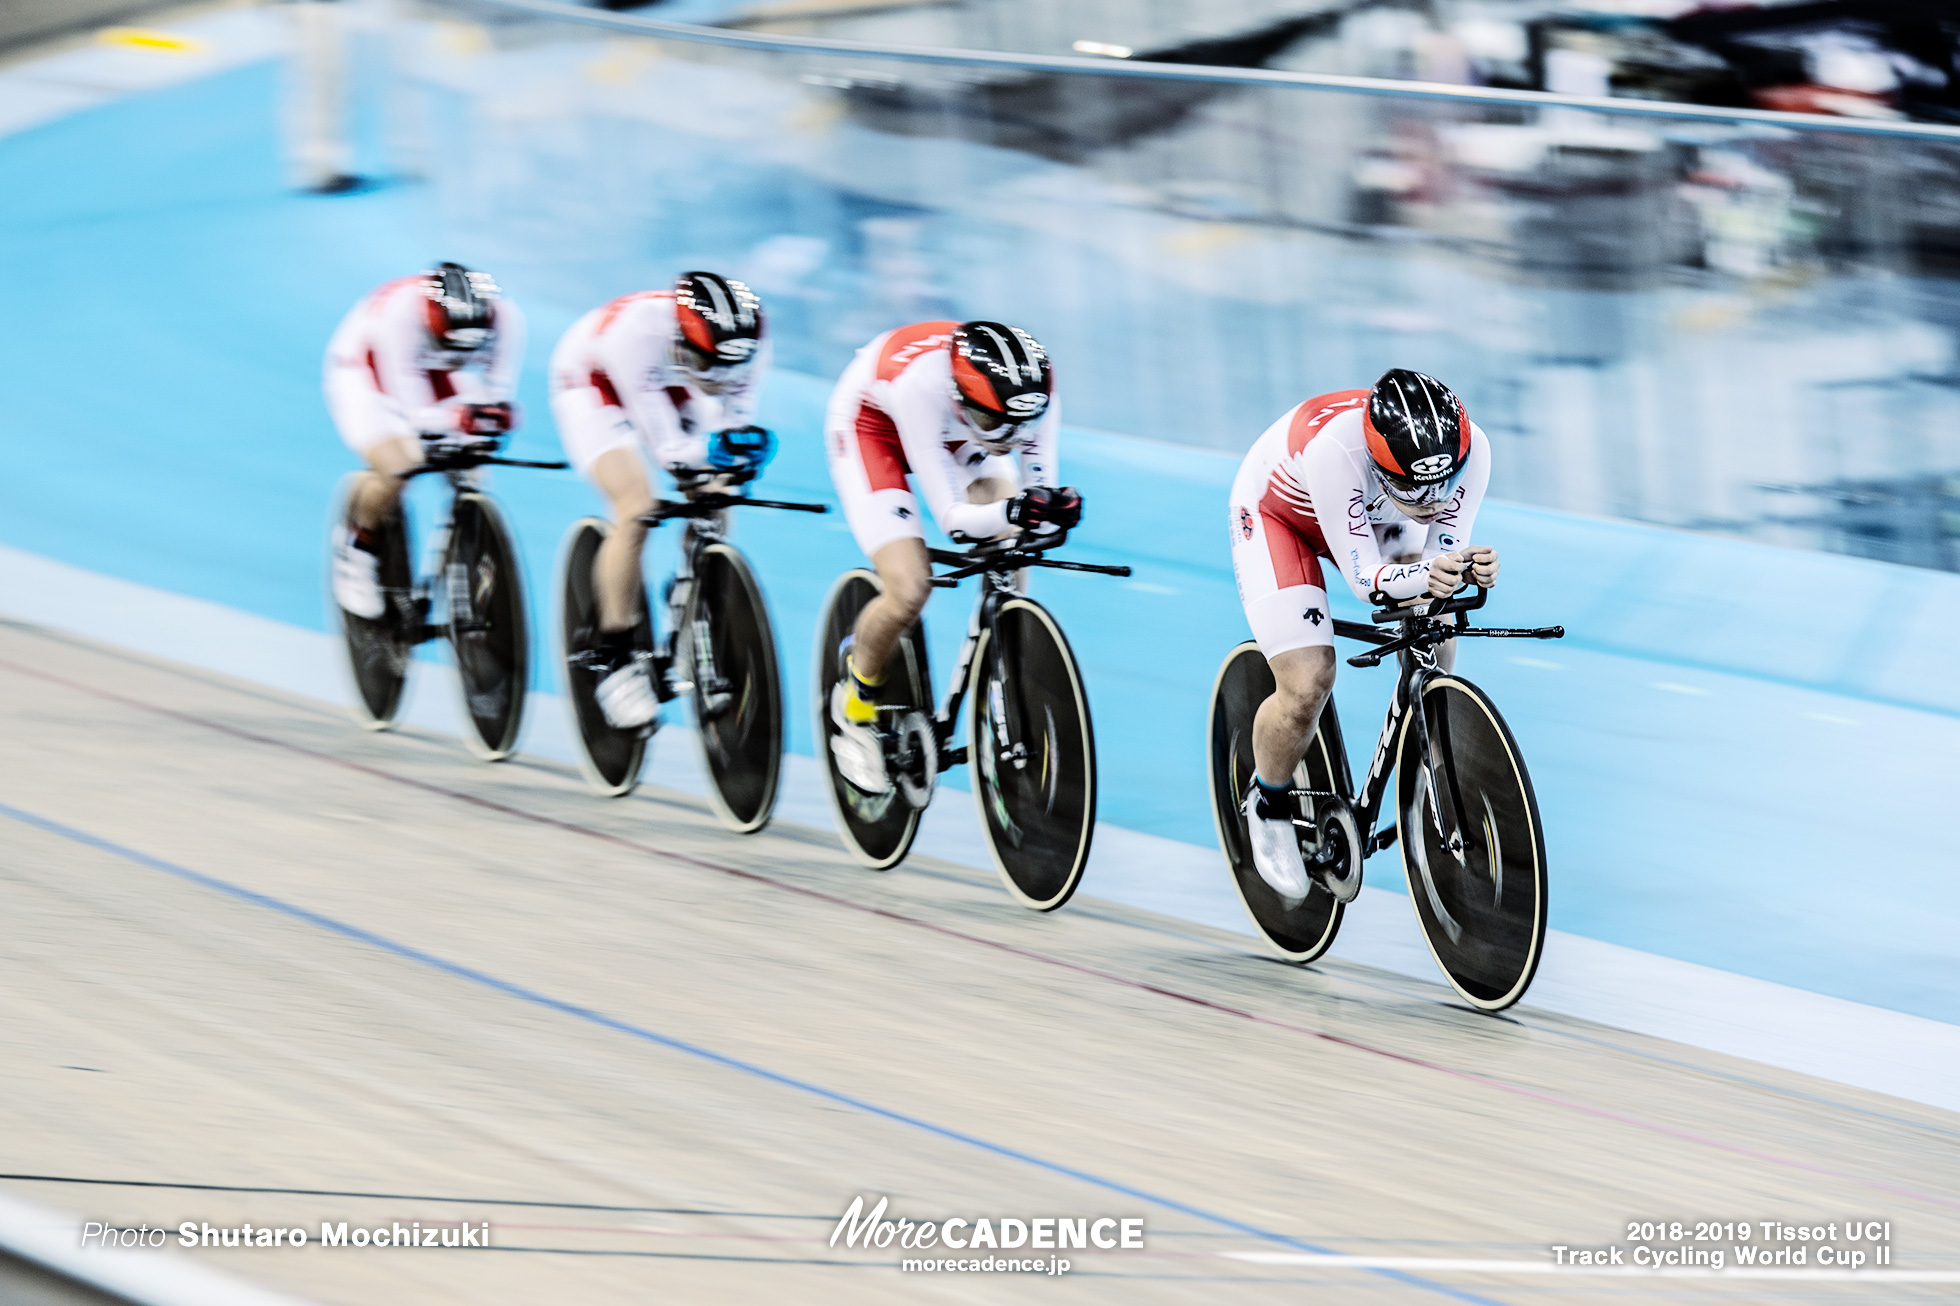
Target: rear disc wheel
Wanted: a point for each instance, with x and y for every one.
(609, 757)
(877, 828)
(379, 648)
(1301, 931)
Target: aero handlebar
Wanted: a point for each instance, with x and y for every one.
(1423, 627)
(706, 505)
(1011, 555)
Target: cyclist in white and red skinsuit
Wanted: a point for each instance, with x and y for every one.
(1384, 483)
(964, 409)
(426, 359)
(667, 378)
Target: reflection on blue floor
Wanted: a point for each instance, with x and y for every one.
(1740, 754)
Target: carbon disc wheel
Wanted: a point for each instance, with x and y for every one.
(877, 828)
(1302, 931)
(1472, 845)
(378, 648)
(738, 692)
(610, 758)
(488, 627)
(1032, 751)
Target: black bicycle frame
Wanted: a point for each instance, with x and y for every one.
(1424, 630)
(706, 516)
(995, 562)
(455, 464)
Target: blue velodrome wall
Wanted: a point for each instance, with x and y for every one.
(1745, 756)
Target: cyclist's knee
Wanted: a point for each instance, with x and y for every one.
(905, 573)
(908, 592)
(627, 511)
(1303, 679)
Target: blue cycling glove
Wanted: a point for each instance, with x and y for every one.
(740, 448)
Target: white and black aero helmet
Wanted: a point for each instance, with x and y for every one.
(461, 307)
(720, 326)
(1418, 435)
(1002, 380)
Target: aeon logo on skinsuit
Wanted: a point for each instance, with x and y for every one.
(1357, 513)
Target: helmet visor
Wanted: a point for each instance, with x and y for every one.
(1411, 495)
(466, 340)
(991, 429)
(706, 370)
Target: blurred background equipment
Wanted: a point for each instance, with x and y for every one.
(1637, 302)
(319, 144)
(23, 22)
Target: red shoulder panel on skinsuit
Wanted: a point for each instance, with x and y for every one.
(1311, 417)
(907, 343)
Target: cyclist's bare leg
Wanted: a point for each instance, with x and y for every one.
(616, 580)
(1284, 725)
(377, 495)
(905, 570)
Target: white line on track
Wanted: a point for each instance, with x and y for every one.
(1444, 1265)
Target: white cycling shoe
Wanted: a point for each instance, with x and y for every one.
(860, 757)
(626, 698)
(356, 577)
(1276, 852)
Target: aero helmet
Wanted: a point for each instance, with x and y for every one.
(720, 325)
(461, 308)
(1001, 380)
(1418, 435)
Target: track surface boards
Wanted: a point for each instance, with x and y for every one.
(667, 1058)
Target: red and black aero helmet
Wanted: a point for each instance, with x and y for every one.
(461, 313)
(1001, 378)
(1418, 434)
(720, 325)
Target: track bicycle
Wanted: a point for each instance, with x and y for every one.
(1466, 817)
(471, 584)
(1031, 745)
(718, 647)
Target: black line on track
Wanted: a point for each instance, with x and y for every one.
(401, 1197)
(687, 1256)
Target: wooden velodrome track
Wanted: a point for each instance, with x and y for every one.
(262, 966)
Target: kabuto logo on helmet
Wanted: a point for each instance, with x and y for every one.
(734, 351)
(1416, 431)
(1027, 405)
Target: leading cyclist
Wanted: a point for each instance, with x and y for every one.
(965, 409)
(420, 362)
(669, 377)
(1384, 483)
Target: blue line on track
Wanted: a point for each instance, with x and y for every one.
(599, 1018)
